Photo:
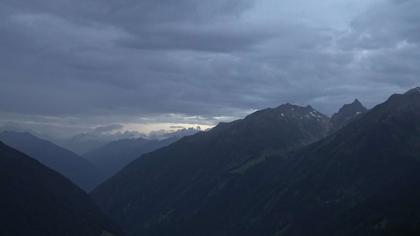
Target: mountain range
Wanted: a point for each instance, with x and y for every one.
(36, 200)
(112, 157)
(79, 170)
(283, 171)
(196, 165)
(86, 142)
(288, 170)
(94, 166)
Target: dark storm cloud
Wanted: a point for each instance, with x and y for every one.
(152, 24)
(79, 53)
(114, 61)
(386, 41)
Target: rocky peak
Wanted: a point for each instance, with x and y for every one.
(346, 114)
(414, 90)
(289, 112)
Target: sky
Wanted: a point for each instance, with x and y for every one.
(70, 66)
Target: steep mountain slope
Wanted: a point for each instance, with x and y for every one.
(82, 143)
(112, 157)
(173, 183)
(36, 200)
(362, 180)
(347, 114)
(74, 167)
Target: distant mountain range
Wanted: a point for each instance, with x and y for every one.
(89, 141)
(86, 142)
(88, 170)
(36, 200)
(79, 170)
(112, 157)
(283, 171)
(288, 170)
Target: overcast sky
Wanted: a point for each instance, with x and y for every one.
(71, 65)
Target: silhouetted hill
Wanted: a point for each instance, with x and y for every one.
(346, 114)
(173, 183)
(112, 157)
(362, 180)
(36, 200)
(74, 167)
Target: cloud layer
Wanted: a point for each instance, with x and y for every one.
(91, 62)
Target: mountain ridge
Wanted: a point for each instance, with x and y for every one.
(346, 114)
(113, 156)
(76, 168)
(195, 165)
(36, 200)
(324, 185)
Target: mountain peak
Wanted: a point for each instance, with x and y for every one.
(292, 107)
(289, 111)
(356, 102)
(346, 114)
(354, 107)
(403, 102)
(54, 156)
(414, 90)
(288, 106)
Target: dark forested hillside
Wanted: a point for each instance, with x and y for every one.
(362, 180)
(79, 170)
(36, 200)
(175, 182)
